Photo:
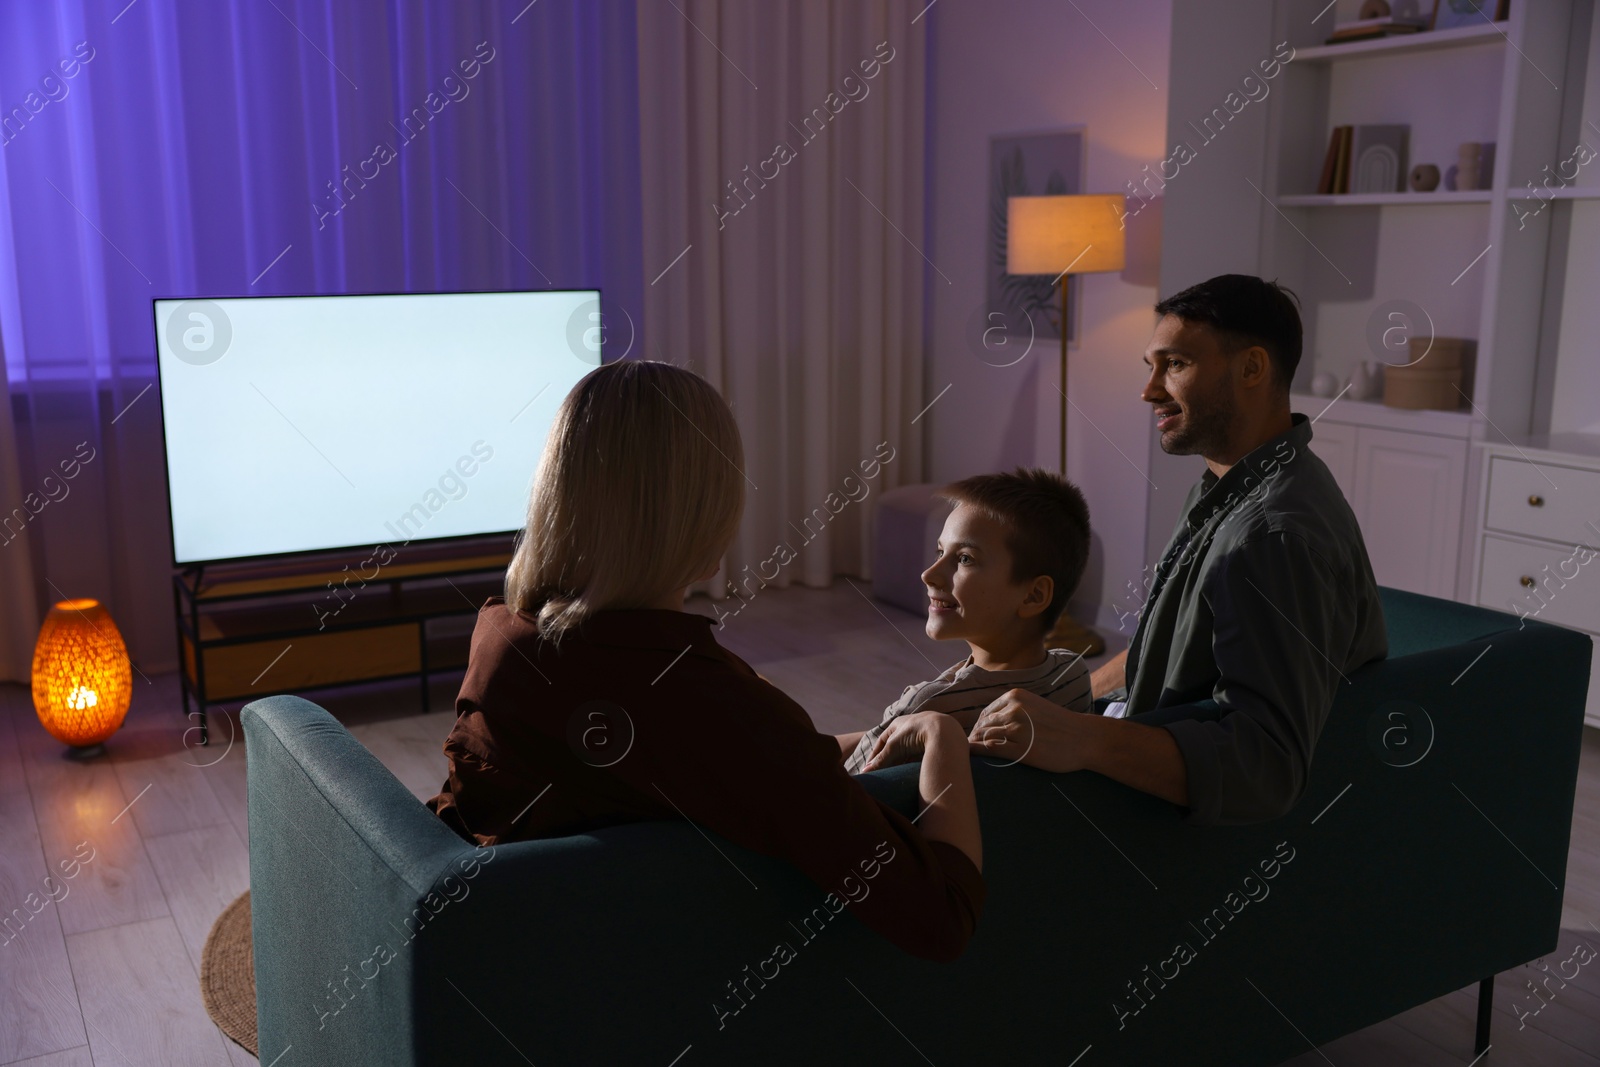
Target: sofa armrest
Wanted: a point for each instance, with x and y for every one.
(341, 857)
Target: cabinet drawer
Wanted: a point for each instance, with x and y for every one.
(1522, 501)
(1565, 590)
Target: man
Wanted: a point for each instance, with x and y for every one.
(1263, 603)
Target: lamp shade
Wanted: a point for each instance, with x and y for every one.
(1064, 234)
(82, 680)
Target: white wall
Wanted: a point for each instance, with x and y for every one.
(1025, 66)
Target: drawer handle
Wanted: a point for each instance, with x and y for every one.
(1536, 501)
(1527, 582)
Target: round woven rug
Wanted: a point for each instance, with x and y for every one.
(228, 976)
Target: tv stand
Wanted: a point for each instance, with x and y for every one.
(292, 624)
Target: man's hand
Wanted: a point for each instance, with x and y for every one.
(906, 738)
(1023, 727)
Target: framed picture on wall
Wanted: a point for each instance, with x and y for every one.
(1029, 164)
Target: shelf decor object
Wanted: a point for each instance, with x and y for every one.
(82, 679)
(1378, 159)
(1433, 380)
(1424, 177)
(1368, 29)
(1063, 236)
(1454, 14)
(1335, 178)
(1367, 380)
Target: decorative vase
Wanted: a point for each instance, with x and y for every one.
(1324, 385)
(82, 680)
(1467, 165)
(1424, 178)
(1366, 381)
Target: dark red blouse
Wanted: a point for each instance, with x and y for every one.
(640, 715)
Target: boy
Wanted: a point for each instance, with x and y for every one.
(1010, 554)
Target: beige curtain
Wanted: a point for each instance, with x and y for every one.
(19, 611)
(782, 175)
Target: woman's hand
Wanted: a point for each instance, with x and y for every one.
(907, 738)
(949, 806)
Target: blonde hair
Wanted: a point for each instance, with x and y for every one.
(639, 492)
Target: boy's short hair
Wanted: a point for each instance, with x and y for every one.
(1047, 521)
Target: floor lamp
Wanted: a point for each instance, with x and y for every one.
(1063, 236)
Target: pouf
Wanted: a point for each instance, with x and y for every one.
(910, 520)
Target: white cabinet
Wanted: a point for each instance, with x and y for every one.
(1550, 581)
(1537, 535)
(1408, 489)
(1404, 474)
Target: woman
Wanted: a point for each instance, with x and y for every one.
(592, 698)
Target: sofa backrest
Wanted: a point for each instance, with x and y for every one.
(1110, 922)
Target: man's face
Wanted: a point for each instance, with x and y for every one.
(1191, 388)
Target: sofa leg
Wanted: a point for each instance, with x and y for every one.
(1485, 1008)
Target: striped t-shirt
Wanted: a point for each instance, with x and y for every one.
(1061, 679)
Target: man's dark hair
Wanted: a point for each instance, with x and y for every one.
(1245, 310)
(1047, 524)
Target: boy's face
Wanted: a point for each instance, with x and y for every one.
(971, 595)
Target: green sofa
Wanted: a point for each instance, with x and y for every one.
(1420, 860)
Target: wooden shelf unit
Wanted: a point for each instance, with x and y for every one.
(252, 629)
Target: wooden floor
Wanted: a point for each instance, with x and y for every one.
(108, 975)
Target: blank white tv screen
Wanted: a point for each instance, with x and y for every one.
(297, 424)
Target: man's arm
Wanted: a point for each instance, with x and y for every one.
(1280, 617)
(1283, 624)
(1110, 675)
(1142, 757)
(1053, 738)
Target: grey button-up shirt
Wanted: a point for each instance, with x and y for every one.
(1263, 604)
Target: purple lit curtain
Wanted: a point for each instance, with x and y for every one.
(236, 147)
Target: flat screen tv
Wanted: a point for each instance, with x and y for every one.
(298, 424)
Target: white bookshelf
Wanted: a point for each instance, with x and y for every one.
(1467, 262)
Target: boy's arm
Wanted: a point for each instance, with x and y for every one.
(848, 743)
